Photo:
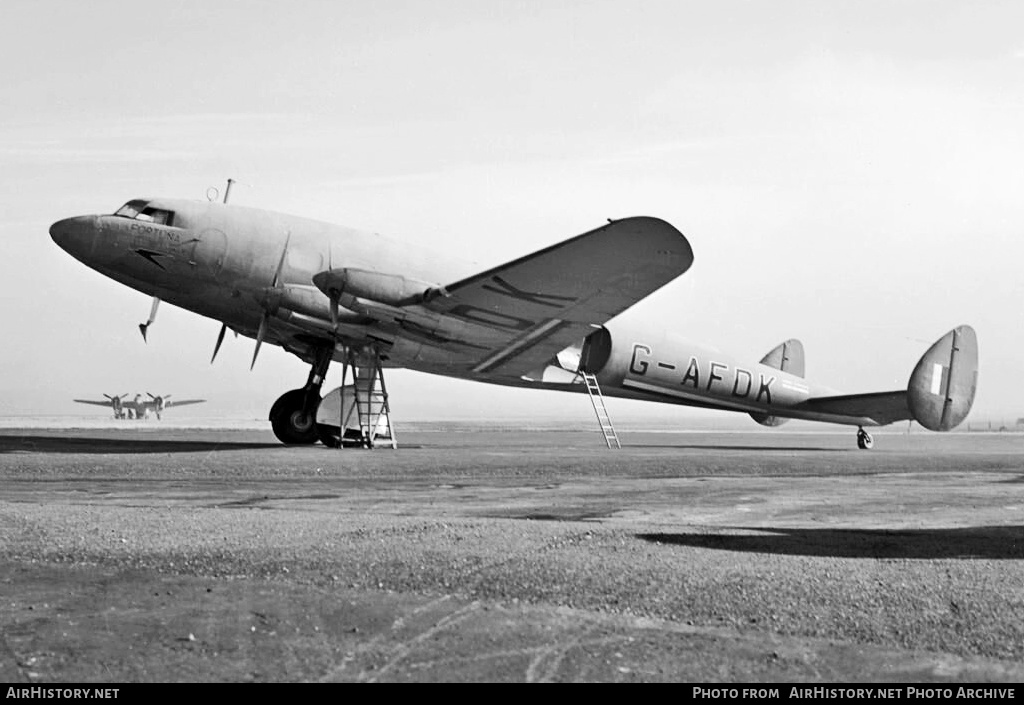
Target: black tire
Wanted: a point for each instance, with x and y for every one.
(864, 440)
(292, 424)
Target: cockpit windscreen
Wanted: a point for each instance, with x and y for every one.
(141, 210)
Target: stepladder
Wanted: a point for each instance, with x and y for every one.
(611, 438)
(357, 414)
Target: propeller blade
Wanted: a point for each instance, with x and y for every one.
(220, 339)
(280, 264)
(334, 310)
(143, 327)
(260, 334)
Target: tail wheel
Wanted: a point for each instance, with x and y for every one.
(864, 440)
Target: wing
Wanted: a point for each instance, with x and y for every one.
(105, 402)
(513, 319)
(183, 402)
(881, 408)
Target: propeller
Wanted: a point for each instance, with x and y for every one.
(220, 339)
(261, 333)
(159, 401)
(115, 403)
(143, 327)
(334, 296)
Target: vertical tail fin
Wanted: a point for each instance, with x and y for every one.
(942, 386)
(788, 357)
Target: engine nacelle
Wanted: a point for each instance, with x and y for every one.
(596, 352)
(390, 289)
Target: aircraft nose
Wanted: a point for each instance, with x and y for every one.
(74, 234)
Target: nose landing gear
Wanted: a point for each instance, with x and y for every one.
(864, 439)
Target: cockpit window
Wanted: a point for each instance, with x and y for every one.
(140, 210)
(131, 209)
(156, 215)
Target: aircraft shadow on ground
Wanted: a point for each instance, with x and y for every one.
(743, 448)
(55, 444)
(982, 542)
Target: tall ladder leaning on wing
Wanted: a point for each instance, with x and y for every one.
(371, 408)
(597, 399)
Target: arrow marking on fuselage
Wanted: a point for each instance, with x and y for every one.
(149, 256)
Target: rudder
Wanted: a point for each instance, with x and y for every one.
(942, 386)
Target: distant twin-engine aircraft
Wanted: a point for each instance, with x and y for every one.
(325, 292)
(138, 408)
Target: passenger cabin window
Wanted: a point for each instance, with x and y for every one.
(140, 210)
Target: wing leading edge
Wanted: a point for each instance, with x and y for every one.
(525, 311)
(505, 322)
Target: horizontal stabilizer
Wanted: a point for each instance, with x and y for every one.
(881, 408)
(939, 394)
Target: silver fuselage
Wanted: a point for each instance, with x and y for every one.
(237, 265)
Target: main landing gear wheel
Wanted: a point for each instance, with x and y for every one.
(864, 440)
(293, 424)
(293, 415)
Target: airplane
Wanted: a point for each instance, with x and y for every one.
(116, 403)
(138, 408)
(546, 320)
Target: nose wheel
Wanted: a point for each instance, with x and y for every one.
(864, 440)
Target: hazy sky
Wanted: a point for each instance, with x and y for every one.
(850, 174)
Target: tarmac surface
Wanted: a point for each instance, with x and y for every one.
(481, 554)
